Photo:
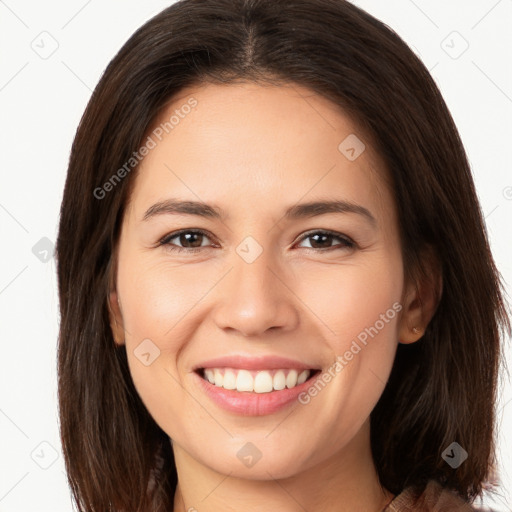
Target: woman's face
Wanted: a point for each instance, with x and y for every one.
(261, 280)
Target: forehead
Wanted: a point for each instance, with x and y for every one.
(246, 145)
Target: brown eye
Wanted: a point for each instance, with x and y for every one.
(192, 240)
(189, 240)
(323, 240)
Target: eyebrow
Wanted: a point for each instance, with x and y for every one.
(298, 211)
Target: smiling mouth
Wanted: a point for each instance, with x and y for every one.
(256, 381)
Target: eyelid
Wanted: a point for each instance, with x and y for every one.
(330, 232)
(164, 241)
(169, 236)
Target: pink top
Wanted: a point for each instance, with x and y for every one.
(434, 498)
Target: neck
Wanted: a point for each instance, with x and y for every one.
(345, 481)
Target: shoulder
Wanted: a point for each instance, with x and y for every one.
(434, 498)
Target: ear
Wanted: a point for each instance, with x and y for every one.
(116, 318)
(421, 298)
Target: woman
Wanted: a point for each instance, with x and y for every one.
(208, 359)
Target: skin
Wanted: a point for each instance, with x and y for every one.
(255, 150)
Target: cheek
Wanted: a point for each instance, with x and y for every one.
(359, 306)
(157, 301)
(349, 298)
(157, 304)
(157, 298)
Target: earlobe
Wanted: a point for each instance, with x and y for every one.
(411, 326)
(410, 335)
(116, 318)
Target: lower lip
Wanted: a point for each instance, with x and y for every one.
(253, 404)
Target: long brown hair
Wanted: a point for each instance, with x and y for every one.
(441, 389)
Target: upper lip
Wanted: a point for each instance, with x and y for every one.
(254, 363)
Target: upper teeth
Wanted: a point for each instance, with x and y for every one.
(261, 381)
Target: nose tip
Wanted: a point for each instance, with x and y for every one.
(255, 300)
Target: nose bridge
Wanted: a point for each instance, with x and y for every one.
(252, 271)
(252, 276)
(255, 298)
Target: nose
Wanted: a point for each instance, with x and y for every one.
(257, 297)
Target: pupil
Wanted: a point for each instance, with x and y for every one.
(328, 237)
(187, 236)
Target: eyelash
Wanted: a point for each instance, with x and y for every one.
(348, 243)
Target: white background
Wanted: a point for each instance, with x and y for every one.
(41, 102)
